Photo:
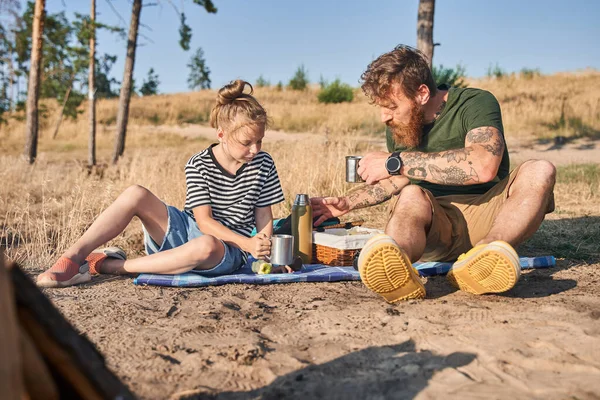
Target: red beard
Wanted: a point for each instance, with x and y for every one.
(410, 134)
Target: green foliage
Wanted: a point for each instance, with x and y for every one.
(262, 82)
(336, 92)
(529, 73)
(185, 34)
(103, 82)
(150, 84)
(199, 77)
(450, 76)
(496, 72)
(65, 57)
(322, 82)
(207, 4)
(300, 79)
(279, 86)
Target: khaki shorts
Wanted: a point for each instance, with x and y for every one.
(461, 221)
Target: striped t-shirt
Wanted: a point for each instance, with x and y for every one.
(232, 198)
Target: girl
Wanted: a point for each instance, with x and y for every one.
(231, 187)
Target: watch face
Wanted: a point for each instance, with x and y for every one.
(392, 164)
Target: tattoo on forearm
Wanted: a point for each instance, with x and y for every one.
(418, 173)
(457, 155)
(369, 196)
(453, 175)
(418, 159)
(378, 194)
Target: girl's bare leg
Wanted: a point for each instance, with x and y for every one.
(134, 201)
(204, 252)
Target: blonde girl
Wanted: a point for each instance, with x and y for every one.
(231, 186)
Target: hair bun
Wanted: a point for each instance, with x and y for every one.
(232, 91)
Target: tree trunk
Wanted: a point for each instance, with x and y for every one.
(11, 83)
(425, 28)
(62, 110)
(125, 96)
(92, 89)
(33, 89)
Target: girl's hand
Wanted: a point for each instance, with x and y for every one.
(259, 246)
(328, 207)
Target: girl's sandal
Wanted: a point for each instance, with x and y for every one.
(65, 272)
(97, 257)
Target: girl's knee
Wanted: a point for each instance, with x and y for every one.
(205, 248)
(135, 193)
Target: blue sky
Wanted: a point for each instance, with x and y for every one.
(337, 38)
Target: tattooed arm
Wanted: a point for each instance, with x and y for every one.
(371, 195)
(477, 162)
(362, 196)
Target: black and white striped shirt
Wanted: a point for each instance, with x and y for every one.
(232, 198)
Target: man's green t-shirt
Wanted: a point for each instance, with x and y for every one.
(466, 109)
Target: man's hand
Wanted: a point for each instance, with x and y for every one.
(328, 207)
(259, 246)
(372, 167)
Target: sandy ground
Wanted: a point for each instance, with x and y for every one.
(340, 341)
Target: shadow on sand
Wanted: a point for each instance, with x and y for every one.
(386, 372)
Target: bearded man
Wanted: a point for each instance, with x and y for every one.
(447, 175)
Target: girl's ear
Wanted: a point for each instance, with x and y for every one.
(220, 134)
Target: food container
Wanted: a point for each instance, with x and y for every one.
(337, 247)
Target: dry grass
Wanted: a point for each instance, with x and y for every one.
(541, 107)
(45, 207)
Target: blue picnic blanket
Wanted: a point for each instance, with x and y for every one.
(309, 273)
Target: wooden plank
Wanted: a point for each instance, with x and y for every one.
(64, 349)
(11, 381)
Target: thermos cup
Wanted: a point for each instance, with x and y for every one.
(351, 167)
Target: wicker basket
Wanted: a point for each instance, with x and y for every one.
(334, 247)
(332, 256)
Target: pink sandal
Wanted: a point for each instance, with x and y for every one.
(97, 257)
(65, 272)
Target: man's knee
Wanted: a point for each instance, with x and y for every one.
(413, 200)
(538, 173)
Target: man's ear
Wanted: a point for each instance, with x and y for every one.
(423, 94)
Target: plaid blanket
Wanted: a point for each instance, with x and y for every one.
(309, 273)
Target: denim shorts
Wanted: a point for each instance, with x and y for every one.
(181, 229)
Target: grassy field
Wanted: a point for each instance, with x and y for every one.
(45, 207)
(540, 107)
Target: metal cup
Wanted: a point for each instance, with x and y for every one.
(282, 249)
(352, 175)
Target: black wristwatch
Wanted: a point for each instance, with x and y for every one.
(394, 163)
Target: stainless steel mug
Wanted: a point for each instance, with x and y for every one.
(282, 249)
(351, 167)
